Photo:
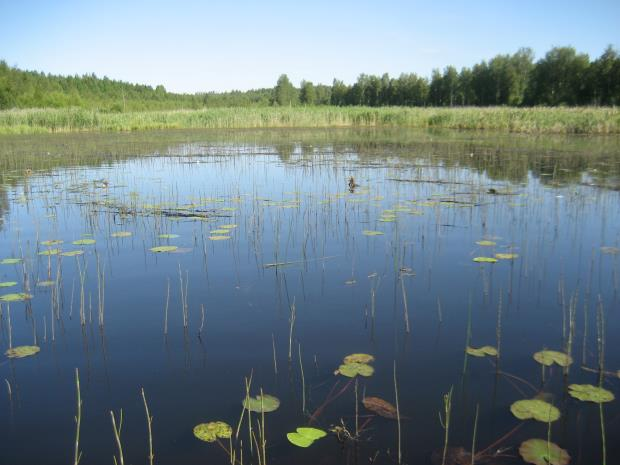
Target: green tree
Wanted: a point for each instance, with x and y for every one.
(307, 93)
(284, 92)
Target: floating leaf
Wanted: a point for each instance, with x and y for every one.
(610, 250)
(486, 243)
(164, 248)
(50, 252)
(590, 393)
(542, 452)
(228, 226)
(299, 440)
(8, 284)
(485, 260)
(367, 232)
(84, 242)
(218, 238)
(10, 261)
(22, 351)
(353, 369)
(72, 253)
(168, 236)
(506, 256)
(121, 234)
(549, 357)
(265, 404)
(535, 409)
(17, 297)
(209, 432)
(220, 231)
(46, 283)
(52, 242)
(305, 436)
(312, 433)
(380, 407)
(358, 358)
(482, 351)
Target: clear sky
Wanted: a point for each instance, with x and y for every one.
(202, 45)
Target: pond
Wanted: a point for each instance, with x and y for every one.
(203, 266)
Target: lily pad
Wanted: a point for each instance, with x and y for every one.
(84, 242)
(121, 234)
(485, 260)
(305, 436)
(22, 351)
(266, 404)
(590, 393)
(50, 252)
(358, 358)
(381, 407)
(220, 231)
(486, 243)
(51, 242)
(8, 284)
(610, 250)
(541, 452)
(168, 236)
(210, 432)
(353, 369)
(10, 261)
(164, 248)
(17, 297)
(218, 238)
(228, 226)
(482, 351)
(506, 256)
(549, 357)
(72, 253)
(299, 440)
(535, 409)
(368, 232)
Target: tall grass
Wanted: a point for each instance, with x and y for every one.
(581, 120)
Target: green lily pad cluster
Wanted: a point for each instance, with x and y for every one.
(22, 351)
(482, 351)
(506, 256)
(10, 261)
(210, 432)
(261, 403)
(50, 252)
(8, 283)
(15, 297)
(485, 259)
(535, 409)
(590, 393)
(486, 243)
(305, 436)
(164, 248)
(84, 242)
(542, 452)
(368, 232)
(121, 234)
(356, 364)
(168, 236)
(549, 357)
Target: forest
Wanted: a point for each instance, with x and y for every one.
(563, 77)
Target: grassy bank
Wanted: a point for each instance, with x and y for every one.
(583, 120)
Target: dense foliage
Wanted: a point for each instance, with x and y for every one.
(561, 77)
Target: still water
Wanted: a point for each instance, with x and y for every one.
(314, 244)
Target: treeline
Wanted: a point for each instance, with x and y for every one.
(562, 77)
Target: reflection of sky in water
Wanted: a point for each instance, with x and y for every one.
(297, 208)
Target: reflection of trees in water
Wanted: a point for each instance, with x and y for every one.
(501, 157)
(4, 205)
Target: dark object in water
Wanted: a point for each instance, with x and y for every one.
(352, 184)
(491, 191)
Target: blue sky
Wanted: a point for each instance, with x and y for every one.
(191, 46)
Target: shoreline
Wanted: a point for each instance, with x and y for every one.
(534, 120)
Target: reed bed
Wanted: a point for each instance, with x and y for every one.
(536, 120)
